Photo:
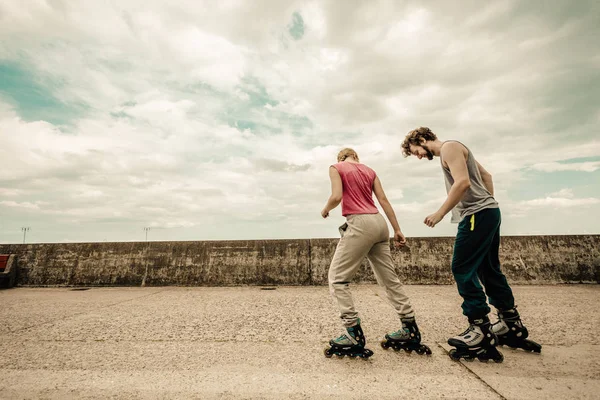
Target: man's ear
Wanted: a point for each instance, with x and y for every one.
(422, 141)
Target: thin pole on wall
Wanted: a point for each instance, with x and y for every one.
(25, 229)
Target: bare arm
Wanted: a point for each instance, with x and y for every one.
(385, 204)
(453, 156)
(336, 192)
(389, 211)
(487, 179)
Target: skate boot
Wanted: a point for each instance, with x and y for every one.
(511, 331)
(478, 341)
(351, 343)
(408, 338)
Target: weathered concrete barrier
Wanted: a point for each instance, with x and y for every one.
(209, 263)
(525, 259)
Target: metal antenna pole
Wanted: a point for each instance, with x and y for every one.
(25, 229)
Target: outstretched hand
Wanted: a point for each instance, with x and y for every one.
(433, 219)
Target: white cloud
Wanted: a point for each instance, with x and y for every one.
(563, 193)
(171, 224)
(394, 194)
(210, 58)
(161, 98)
(10, 192)
(25, 205)
(589, 166)
(563, 200)
(560, 202)
(489, 12)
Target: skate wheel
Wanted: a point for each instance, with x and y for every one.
(327, 353)
(339, 355)
(535, 349)
(532, 346)
(385, 345)
(409, 351)
(352, 355)
(427, 350)
(453, 355)
(420, 351)
(494, 354)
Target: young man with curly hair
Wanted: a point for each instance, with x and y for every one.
(475, 260)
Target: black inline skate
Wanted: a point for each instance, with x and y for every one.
(511, 332)
(408, 338)
(352, 344)
(478, 341)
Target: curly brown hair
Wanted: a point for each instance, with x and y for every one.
(414, 137)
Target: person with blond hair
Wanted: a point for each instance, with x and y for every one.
(475, 259)
(365, 234)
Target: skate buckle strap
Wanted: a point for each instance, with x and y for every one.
(403, 332)
(353, 340)
(469, 329)
(472, 222)
(347, 336)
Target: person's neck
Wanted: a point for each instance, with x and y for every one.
(436, 147)
(351, 160)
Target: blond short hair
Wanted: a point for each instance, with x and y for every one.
(345, 153)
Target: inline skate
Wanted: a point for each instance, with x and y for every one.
(511, 332)
(478, 341)
(352, 344)
(408, 338)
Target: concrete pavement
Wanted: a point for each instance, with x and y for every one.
(244, 342)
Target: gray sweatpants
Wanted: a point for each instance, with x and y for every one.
(365, 235)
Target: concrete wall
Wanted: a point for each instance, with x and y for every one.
(525, 259)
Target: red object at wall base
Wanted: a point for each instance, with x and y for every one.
(8, 271)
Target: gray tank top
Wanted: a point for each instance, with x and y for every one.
(476, 198)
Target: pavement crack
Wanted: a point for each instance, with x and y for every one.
(475, 374)
(83, 312)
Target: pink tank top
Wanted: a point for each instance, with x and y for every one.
(357, 182)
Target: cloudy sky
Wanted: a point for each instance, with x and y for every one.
(219, 119)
